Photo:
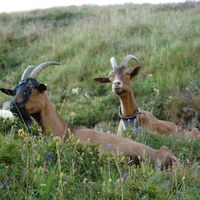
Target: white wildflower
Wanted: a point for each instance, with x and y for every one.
(72, 114)
(76, 90)
(156, 90)
(86, 95)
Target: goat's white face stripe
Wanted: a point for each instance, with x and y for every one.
(117, 82)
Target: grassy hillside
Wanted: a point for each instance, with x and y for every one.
(166, 40)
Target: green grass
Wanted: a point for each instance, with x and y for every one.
(36, 167)
(166, 40)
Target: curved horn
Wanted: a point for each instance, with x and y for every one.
(113, 63)
(127, 58)
(40, 67)
(27, 71)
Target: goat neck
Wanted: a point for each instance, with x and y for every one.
(127, 104)
(49, 119)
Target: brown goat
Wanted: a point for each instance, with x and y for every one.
(120, 78)
(30, 99)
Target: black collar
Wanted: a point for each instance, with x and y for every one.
(130, 117)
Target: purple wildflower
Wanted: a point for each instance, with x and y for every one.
(108, 145)
(134, 130)
(159, 166)
(125, 175)
(49, 156)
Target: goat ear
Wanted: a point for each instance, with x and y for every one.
(7, 91)
(42, 87)
(135, 71)
(102, 80)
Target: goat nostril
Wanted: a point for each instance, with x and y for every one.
(117, 83)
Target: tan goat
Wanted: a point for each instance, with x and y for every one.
(30, 99)
(120, 78)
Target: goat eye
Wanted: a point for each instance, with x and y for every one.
(25, 92)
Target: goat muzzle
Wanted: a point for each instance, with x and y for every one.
(18, 109)
(117, 87)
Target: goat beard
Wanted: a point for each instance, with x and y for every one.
(118, 91)
(25, 118)
(22, 114)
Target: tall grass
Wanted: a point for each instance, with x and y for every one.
(37, 167)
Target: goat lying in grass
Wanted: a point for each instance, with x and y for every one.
(120, 78)
(30, 99)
